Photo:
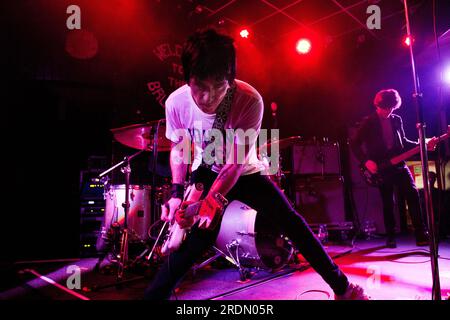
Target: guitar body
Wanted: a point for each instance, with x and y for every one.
(176, 234)
(376, 179)
(373, 180)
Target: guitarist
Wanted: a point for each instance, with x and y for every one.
(213, 98)
(379, 137)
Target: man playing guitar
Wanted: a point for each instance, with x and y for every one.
(379, 138)
(213, 99)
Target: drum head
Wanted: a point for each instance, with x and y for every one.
(259, 244)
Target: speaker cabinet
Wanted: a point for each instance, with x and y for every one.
(316, 158)
(320, 200)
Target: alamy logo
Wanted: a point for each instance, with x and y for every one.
(74, 280)
(212, 147)
(374, 20)
(74, 20)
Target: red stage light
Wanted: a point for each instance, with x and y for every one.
(303, 46)
(244, 33)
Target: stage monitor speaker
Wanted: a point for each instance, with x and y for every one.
(320, 200)
(316, 158)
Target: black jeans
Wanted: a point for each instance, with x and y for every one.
(401, 177)
(261, 194)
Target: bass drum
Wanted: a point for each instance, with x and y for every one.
(249, 239)
(139, 216)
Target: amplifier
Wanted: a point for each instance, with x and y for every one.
(88, 241)
(320, 200)
(335, 232)
(316, 158)
(91, 187)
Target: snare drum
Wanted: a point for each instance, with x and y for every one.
(245, 235)
(139, 215)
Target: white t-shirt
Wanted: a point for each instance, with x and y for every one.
(182, 113)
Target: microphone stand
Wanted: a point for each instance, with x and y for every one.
(155, 215)
(436, 290)
(279, 175)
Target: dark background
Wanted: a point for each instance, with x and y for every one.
(65, 89)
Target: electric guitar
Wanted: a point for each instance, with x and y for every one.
(375, 179)
(176, 235)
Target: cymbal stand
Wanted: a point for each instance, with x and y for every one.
(154, 167)
(154, 206)
(126, 169)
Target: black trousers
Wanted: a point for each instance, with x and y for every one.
(261, 194)
(401, 177)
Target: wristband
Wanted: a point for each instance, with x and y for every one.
(177, 190)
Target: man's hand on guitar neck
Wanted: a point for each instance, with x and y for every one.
(371, 166)
(181, 218)
(431, 143)
(211, 210)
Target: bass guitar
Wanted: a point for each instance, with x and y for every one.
(376, 179)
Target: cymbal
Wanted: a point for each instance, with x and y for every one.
(140, 136)
(282, 144)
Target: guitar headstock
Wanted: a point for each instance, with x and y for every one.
(433, 142)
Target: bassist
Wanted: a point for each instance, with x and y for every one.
(380, 137)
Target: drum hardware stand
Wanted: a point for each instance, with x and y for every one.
(244, 273)
(152, 250)
(155, 216)
(123, 252)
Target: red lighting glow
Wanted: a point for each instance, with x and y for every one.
(244, 33)
(303, 46)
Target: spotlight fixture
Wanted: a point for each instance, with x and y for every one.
(244, 33)
(303, 46)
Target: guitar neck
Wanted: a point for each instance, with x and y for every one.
(192, 209)
(405, 155)
(415, 150)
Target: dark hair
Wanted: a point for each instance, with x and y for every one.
(209, 54)
(387, 99)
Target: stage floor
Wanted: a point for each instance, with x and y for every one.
(403, 273)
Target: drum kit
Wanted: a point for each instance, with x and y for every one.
(129, 212)
(132, 212)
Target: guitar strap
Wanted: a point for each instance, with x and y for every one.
(219, 122)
